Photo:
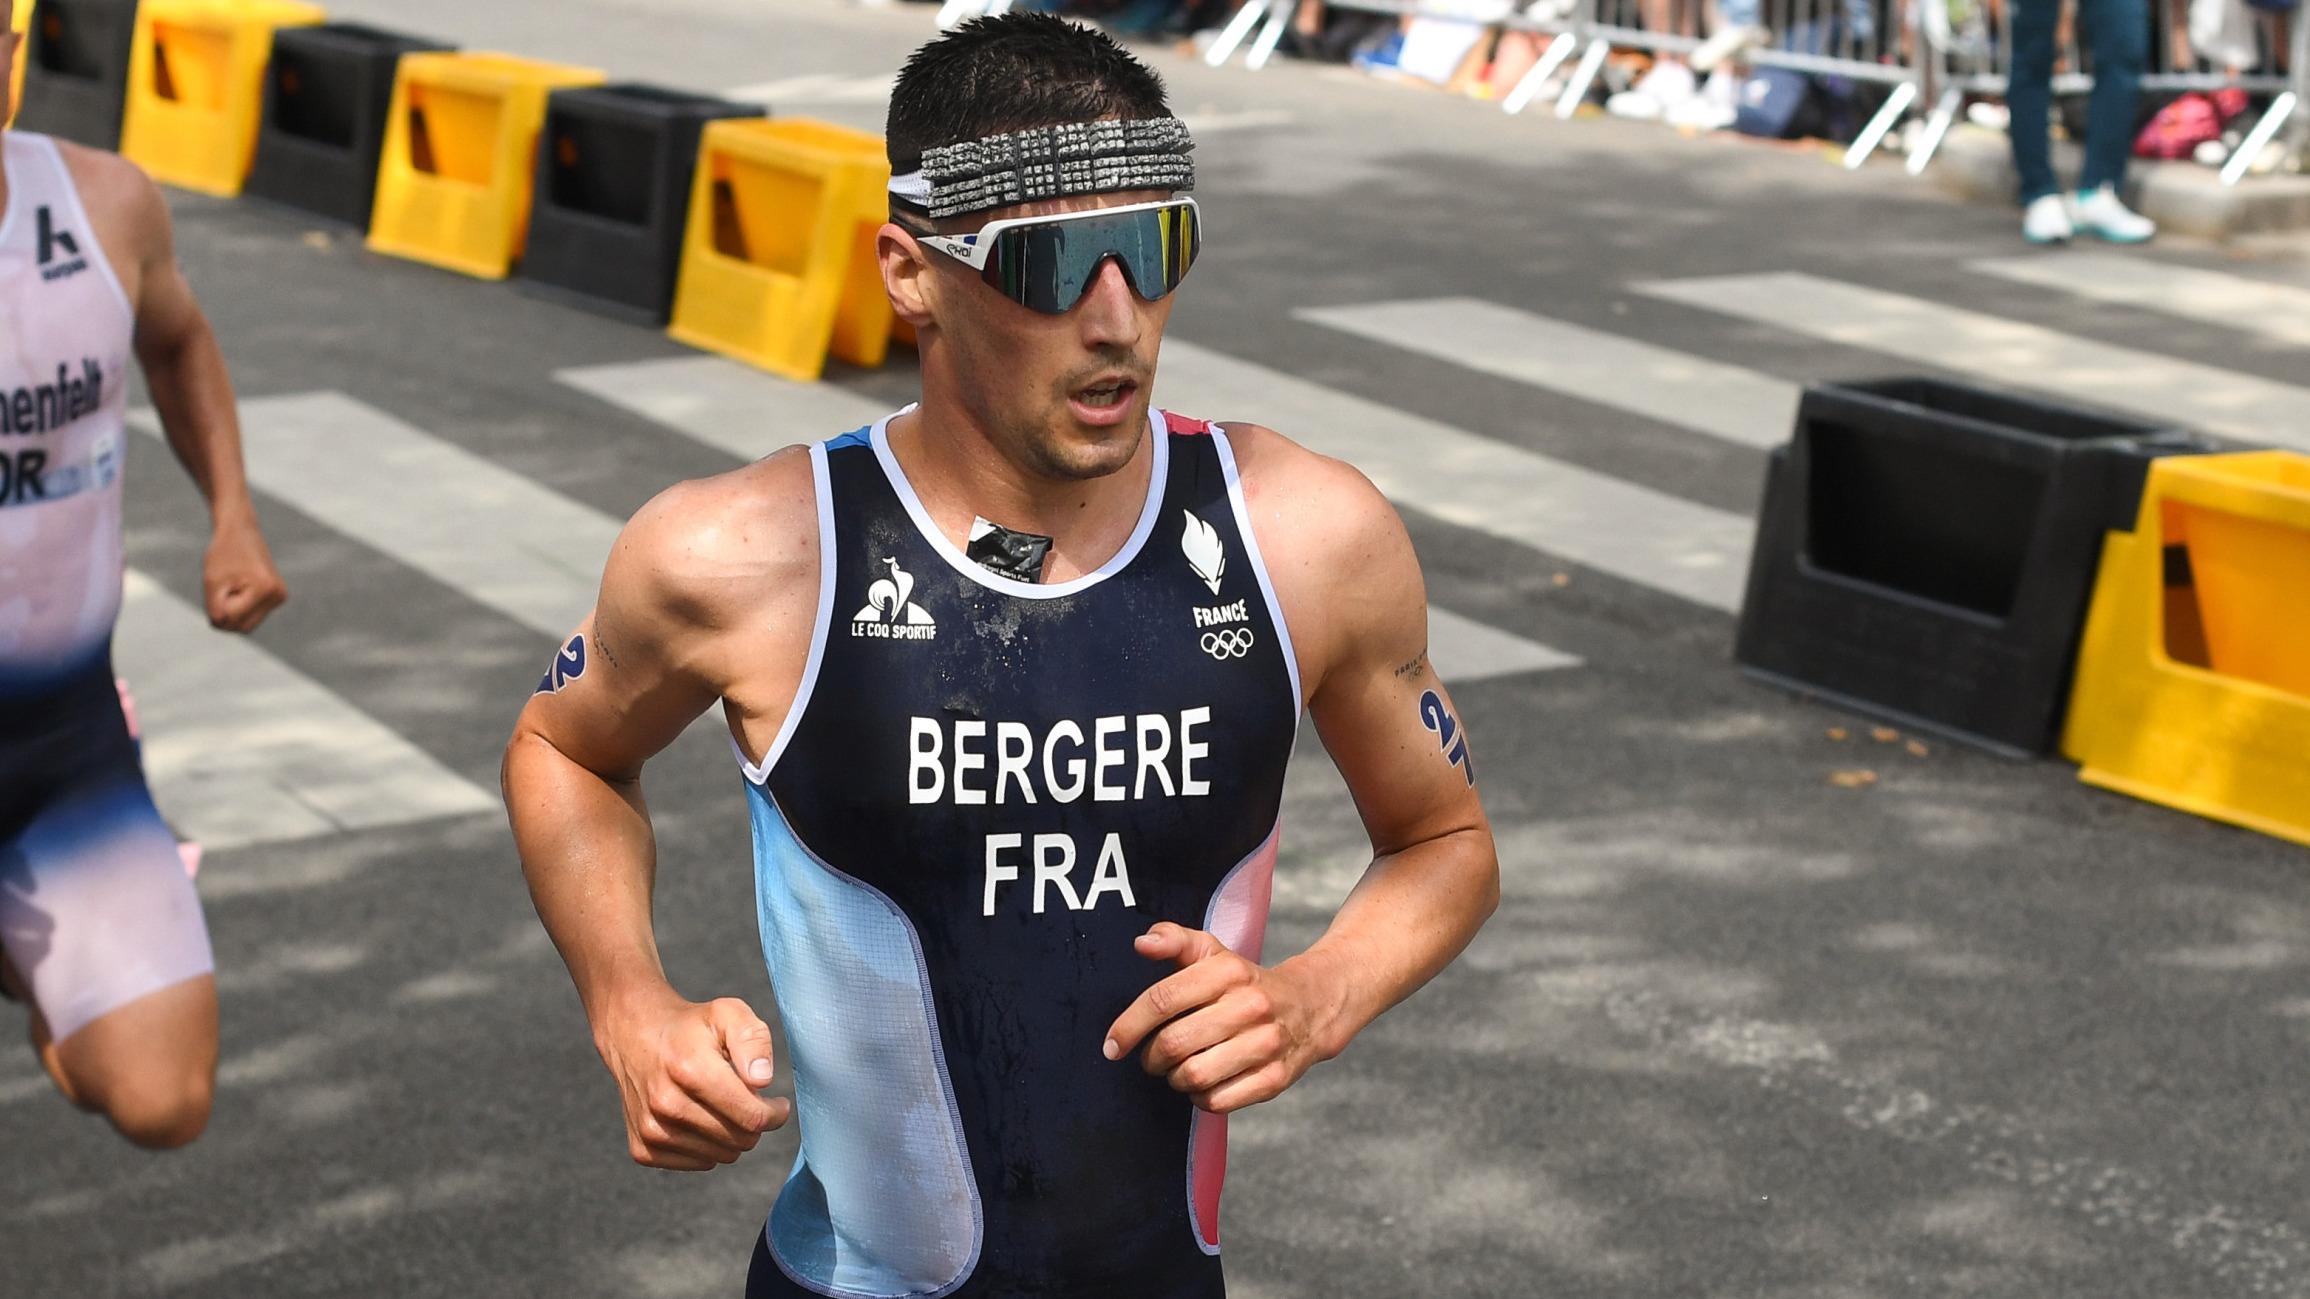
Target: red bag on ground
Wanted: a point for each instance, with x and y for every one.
(2180, 127)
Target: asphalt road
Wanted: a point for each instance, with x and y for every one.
(1737, 1030)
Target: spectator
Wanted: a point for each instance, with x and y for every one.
(2119, 31)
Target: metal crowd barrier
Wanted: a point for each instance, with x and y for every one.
(1272, 18)
(1594, 28)
(1859, 40)
(1969, 55)
(1944, 50)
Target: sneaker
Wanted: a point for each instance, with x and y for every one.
(2099, 212)
(2046, 221)
(1714, 108)
(1669, 83)
(1634, 105)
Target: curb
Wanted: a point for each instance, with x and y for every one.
(2182, 197)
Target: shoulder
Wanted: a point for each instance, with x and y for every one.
(709, 551)
(1342, 564)
(116, 192)
(1310, 505)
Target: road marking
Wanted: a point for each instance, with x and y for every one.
(1211, 119)
(1709, 397)
(2008, 351)
(1463, 650)
(522, 549)
(1616, 527)
(242, 749)
(2276, 311)
(726, 405)
(817, 88)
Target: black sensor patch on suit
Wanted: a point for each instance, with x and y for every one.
(1015, 555)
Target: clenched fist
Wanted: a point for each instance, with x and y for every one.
(238, 579)
(687, 1074)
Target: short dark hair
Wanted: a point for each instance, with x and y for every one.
(1012, 73)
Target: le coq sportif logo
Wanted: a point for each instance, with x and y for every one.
(890, 612)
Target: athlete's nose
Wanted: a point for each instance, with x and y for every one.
(1109, 313)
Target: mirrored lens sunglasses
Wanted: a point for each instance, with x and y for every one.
(1047, 263)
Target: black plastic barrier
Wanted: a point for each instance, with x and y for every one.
(1926, 552)
(327, 95)
(76, 72)
(613, 192)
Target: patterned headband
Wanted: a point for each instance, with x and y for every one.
(1050, 162)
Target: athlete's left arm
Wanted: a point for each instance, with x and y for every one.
(185, 371)
(1231, 1032)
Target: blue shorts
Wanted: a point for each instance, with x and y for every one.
(96, 909)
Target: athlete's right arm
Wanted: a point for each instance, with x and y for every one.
(689, 569)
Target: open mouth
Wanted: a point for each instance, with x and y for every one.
(1107, 396)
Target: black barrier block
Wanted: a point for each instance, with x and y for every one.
(327, 94)
(1926, 552)
(613, 192)
(76, 73)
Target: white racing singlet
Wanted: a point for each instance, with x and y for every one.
(66, 330)
(95, 910)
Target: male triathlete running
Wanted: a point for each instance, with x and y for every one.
(99, 925)
(1014, 674)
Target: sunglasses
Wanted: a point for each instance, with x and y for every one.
(1047, 263)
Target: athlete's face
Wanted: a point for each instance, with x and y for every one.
(1065, 396)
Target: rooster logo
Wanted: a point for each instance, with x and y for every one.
(887, 600)
(1206, 554)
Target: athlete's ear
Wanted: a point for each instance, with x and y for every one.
(905, 273)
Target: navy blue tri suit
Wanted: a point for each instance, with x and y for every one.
(985, 790)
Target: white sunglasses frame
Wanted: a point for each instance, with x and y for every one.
(973, 249)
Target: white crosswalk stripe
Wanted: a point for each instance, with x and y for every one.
(726, 405)
(1616, 527)
(499, 538)
(817, 88)
(1463, 650)
(2278, 312)
(2184, 393)
(1709, 397)
(242, 749)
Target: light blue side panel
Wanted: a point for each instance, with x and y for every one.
(881, 1202)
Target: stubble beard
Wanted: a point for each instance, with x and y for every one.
(1053, 449)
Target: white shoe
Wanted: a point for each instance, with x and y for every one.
(2099, 212)
(1714, 108)
(2046, 221)
(1634, 105)
(1669, 83)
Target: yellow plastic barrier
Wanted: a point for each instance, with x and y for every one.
(196, 87)
(2193, 681)
(455, 179)
(21, 24)
(778, 265)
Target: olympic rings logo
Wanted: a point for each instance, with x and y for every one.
(1232, 643)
